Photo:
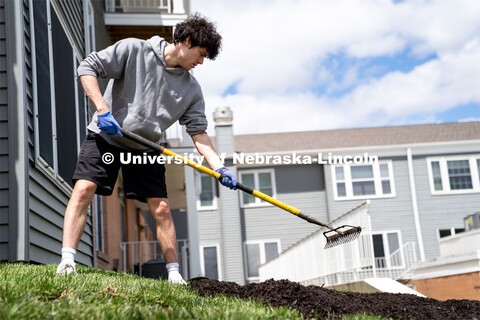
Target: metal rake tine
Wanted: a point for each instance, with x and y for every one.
(341, 237)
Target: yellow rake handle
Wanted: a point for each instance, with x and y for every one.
(149, 144)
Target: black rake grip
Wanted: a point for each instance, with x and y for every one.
(141, 140)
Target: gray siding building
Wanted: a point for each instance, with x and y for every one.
(43, 119)
(43, 115)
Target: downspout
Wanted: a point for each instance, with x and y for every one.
(229, 203)
(19, 226)
(416, 216)
(192, 214)
(371, 248)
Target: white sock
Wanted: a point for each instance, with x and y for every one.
(68, 254)
(174, 266)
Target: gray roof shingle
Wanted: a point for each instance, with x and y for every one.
(362, 137)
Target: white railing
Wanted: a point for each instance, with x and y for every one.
(308, 261)
(398, 263)
(136, 254)
(145, 6)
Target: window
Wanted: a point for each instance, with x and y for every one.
(257, 253)
(86, 108)
(339, 174)
(478, 168)
(65, 101)
(210, 262)
(459, 174)
(123, 222)
(261, 180)
(363, 181)
(450, 175)
(207, 195)
(442, 233)
(437, 176)
(99, 223)
(385, 178)
(386, 247)
(59, 101)
(42, 66)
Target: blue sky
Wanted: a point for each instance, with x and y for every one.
(295, 65)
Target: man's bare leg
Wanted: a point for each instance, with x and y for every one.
(167, 238)
(74, 223)
(76, 213)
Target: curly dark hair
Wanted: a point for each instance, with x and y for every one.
(202, 33)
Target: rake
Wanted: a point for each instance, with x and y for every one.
(334, 236)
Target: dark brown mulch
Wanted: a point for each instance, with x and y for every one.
(315, 301)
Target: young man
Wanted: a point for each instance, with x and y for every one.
(150, 88)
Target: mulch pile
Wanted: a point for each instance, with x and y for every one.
(318, 302)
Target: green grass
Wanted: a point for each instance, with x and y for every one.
(35, 292)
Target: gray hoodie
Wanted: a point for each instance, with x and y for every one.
(143, 95)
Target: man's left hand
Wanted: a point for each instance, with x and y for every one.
(227, 178)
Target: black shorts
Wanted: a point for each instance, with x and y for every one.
(140, 181)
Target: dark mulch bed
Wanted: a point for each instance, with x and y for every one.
(315, 301)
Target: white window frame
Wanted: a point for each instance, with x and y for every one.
(377, 178)
(452, 232)
(214, 205)
(386, 248)
(50, 171)
(41, 163)
(446, 190)
(258, 202)
(261, 244)
(202, 259)
(89, 26)
(90, 46)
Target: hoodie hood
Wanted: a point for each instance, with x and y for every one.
(158, 45)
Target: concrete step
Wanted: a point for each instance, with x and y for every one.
(371, 285)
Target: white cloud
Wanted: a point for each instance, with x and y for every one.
(275, 51)
(469, 119)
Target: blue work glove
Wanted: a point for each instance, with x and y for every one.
(108, 124)
(227, 178)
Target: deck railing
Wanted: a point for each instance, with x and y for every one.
(138, 254)
(145, 6)
(307, 262)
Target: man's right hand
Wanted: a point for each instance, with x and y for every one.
(108, 124)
